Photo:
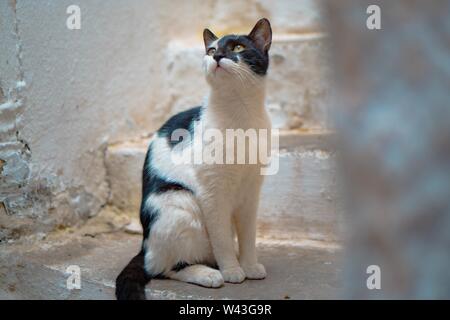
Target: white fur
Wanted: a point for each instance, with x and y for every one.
(178, 234)
(199, 229)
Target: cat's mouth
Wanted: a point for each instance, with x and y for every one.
(220, 68)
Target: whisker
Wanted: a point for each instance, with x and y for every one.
(252, 78)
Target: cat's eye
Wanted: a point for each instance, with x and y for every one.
(238, 48)
(211, 51)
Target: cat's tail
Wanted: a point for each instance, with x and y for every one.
(130, 283)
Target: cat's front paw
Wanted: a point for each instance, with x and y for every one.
(211, 278)
(233, 275)
(255, 271)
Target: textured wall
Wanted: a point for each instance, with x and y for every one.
(67, 94)
(15, 154)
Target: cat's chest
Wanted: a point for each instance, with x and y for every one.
(238, 120)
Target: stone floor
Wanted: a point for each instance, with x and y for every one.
(35, 268)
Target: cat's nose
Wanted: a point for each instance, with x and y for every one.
(218, 56)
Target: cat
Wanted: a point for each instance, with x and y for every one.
(190, 213)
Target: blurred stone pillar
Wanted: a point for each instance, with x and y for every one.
(393, 119)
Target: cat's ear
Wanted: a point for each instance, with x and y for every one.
(262, 35)
(208, 37)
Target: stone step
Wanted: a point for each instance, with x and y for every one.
(37, 270)
(297, 86)
(299, 202)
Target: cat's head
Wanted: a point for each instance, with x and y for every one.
(238, 58)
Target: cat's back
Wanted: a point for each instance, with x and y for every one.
(183, 120)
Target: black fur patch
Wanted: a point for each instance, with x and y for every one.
(130, 284)
(183, 120)
(153, 183)
(257, 60)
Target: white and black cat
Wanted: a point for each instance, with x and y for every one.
(191, 212)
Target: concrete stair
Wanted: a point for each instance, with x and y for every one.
(299, 202)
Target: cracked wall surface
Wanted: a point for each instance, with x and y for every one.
(65, 95)
(15, 153)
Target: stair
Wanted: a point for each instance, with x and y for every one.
(299, 202)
